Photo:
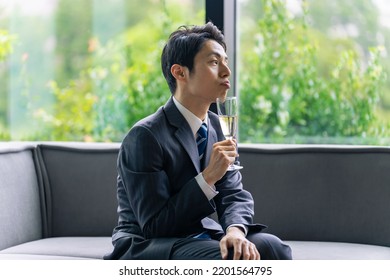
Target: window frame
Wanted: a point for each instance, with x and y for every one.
(223, 13)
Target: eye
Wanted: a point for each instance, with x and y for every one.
(214, 62)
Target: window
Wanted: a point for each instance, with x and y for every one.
(305, 71)
(84, 70)
(314, 71)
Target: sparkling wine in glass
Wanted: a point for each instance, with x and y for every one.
(229, 126)
(228, 117)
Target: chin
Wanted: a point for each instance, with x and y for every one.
(223, 94)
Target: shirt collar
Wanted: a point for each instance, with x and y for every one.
(194, 122)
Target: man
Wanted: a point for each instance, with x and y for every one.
(167, 188)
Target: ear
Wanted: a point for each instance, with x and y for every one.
(178, 72)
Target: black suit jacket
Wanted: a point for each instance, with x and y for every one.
(159, 199)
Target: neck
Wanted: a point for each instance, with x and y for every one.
(197, 107)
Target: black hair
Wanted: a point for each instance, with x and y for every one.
(183, 45)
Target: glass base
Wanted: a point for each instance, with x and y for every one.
(233, 167)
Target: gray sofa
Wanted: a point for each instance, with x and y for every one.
(58, 200)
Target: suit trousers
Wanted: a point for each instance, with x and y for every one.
(269, 246)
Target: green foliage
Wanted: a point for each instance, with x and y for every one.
(292, 89)
(5, 49)
(123, 84)
(73, 29)
(5, 44)
(284, 97)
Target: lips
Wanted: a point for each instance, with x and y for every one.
(226, 84)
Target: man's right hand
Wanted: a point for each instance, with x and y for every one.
(223, 154)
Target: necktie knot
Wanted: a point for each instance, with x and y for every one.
(201, 140)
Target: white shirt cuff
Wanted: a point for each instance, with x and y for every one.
(208, 190)
(240, 226)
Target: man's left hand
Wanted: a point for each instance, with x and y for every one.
(243, 248)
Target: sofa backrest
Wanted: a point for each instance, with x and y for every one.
(20, 195)
(320, 193)
(80, 187)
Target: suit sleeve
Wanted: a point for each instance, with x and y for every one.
(235, 205)
(159, 211)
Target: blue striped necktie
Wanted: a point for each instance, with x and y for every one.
(201, 140)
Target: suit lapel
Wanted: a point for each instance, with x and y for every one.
(183, 133)
(185, 137)
(212, 137)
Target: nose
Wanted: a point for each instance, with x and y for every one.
(225, 70)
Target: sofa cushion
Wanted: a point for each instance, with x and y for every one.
(56, 247)
(80, 185)
(20, 207)
(36, 257)
(320, 193)
(311, 250)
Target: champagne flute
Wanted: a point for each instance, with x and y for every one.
(228, 117)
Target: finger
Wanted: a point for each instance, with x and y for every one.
(247, 253)
(227, 143)
(230, 141)
(223, 149)
(223, 249)
(228, 148)
(256, 253)
(250, 252)
(237, 251)
(230, 154)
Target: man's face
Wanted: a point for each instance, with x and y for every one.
(209, 78)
